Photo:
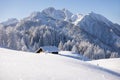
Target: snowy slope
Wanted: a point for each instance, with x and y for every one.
(71, 54)
(113, 63)
(16, 65)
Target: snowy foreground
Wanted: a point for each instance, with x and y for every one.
(112, 64)
(17, 65)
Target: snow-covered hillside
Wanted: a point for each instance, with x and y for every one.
(17, 65)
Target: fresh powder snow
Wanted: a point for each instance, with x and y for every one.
(112, 64)
(17, 65)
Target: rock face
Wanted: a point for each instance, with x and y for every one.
(91, 35)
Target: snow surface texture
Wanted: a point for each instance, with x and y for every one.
(16, 65)
(73, 55)
(113, 64)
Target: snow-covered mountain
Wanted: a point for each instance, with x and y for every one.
(17, 65)
(98, 26)
(63, 15)
(10, 22)
(91, 35)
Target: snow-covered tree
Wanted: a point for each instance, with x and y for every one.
(3, 37)
(23, 46)
(99, 53)
(60, 46)
(75, 49)
(89, 52)
(67, 45)
(114, 55)
(12, 38)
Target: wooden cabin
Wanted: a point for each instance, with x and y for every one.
(48, 49)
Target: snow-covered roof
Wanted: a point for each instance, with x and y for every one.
(49, 48)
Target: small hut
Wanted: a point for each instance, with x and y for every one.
(48, 49)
